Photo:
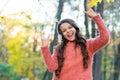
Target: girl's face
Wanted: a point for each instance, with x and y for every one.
(68, 31)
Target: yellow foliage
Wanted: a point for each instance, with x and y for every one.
(94, 2)
(56, 20)
(110, 0)
(30, 74)
(49, 23)
(13, 59)
(3, 19)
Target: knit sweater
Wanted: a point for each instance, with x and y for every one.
(73, 64)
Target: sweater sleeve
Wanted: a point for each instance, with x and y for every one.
(103, 38)
(50, 60)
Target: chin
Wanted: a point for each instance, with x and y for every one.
(71, 39)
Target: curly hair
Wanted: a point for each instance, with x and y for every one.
(79, 40)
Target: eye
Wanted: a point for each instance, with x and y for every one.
(64, 30)
(70, 27)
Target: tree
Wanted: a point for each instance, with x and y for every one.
(111, 10)
(7, 72)
(22, 54)
(48, 75)
(98, 55)
(86, 20)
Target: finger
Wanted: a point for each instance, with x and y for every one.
(88, 7)
(48, 37)
(41, 35)
(87, 13)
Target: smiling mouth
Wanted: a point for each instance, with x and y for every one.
(70, 36)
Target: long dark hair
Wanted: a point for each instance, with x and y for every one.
(79, 41)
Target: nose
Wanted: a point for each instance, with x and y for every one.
(68, 30)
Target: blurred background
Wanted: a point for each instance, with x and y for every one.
(22, 20)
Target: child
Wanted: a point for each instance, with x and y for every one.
(72, 59)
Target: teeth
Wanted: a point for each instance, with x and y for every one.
(70, 35)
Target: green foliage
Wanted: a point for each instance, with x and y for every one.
(7, 72)
(23, 56)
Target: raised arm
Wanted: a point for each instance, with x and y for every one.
(103, 38)
(50, 60)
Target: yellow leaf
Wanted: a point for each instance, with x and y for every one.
(3, 18)
(56, 20)
(30, 75)
(108, 0)
(93, 2)
(112, 0)
(49, 23)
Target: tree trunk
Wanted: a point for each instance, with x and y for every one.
(86, 21)
(58, 17)
(93, 26)
(97, 57)
(117, 64)
(48, 75)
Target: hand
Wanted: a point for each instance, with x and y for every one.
(44, 40)
(90, 12)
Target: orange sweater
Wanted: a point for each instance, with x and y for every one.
(73, 63)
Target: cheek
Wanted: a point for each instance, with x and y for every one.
(64, 35)
(74, 30)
